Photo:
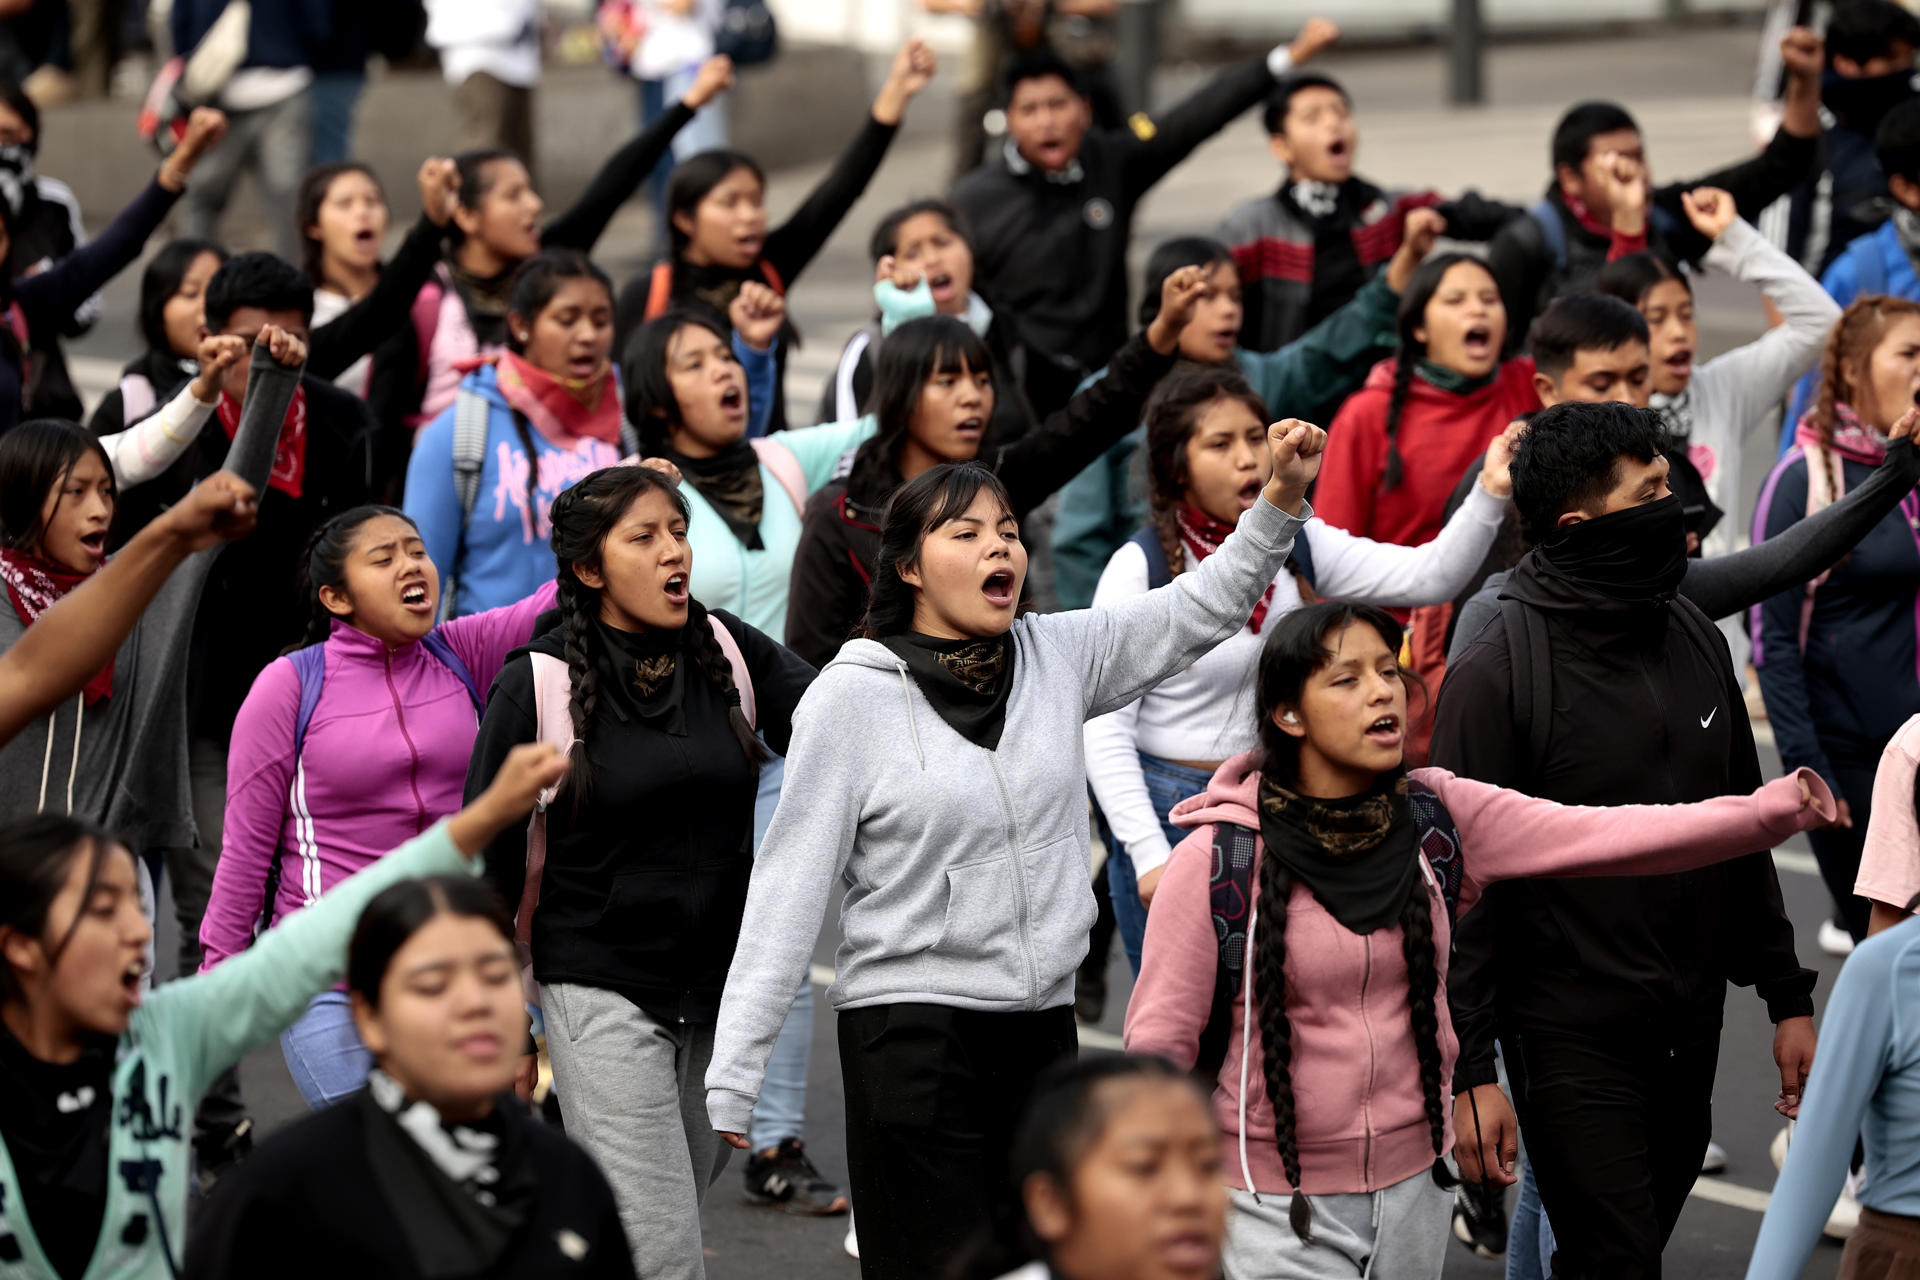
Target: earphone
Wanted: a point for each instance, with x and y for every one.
(1291, 718)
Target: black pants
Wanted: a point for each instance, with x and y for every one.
(1838, 849)
(1615, 1130)
(933, 1095)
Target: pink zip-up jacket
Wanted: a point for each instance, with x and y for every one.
(385, 758)
(1360, 1116)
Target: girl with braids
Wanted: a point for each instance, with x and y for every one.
(934, 781)
(1404, 440)
(1206, 463)
(1332, 1048)
(633, 913)
(1837, 657)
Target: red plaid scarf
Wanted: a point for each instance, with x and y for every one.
(1203, 536)
(35, 586)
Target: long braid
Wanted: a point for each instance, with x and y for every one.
(1396, 409)
(1276, 1032)
(525, 433)
(578, 608)
(1423, 985)
(706, 653)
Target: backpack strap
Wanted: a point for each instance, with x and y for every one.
(425, 315)
(660, 289)
(742, 678)
(1159, 572)
(1546, 215)
(1230, 898)
(310, 664)
(786, 469)
(137, 398)
(1300, 559)
(1530, 661)
(436, 643)
(553, 722)
(629, 439)
(1439, 844)
(470, 414)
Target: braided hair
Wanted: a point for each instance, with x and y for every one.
(1859, 330)
(1293, 652)
(1412, 315)
(323, 563)
(583, 517)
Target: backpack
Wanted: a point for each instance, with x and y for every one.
(1230, 897)
(553, 723)
(1160, 573)
(660, 285)
(1546, 216)
(747, 33)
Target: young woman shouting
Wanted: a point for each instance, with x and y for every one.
(928, 777)
(1333, 1049)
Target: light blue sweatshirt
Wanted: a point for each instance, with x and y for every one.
(1866, 1082)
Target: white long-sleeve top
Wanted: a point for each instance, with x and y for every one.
(154, 443)
(499, 37)
(1206, 712)
(1737, 391)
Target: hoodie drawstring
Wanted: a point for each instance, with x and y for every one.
(913, 729)
(1246, 1040)
(1373, 1253)
(73, 766)
(46, 763)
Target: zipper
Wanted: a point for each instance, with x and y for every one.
(413, 752)
(1366, 1020)
(1020, 905)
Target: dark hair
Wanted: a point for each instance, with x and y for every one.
(652, 407)
(324, 564)
(694, 179)
(1863, 30)
(1573, 136)
(35, 457)
(1168, 257)
(886, 232)
(1633, 277)
(582, 518)
(161, 280)
(1037, 63)
(306, 210)
(1280, 101)
(1570, 455)
(1579, 322)
(1896, 143)
(1859, 330)
(1412, 314)
(535, 283)
(13, 96)
(256, 280)
(476, 173)
(912, 354)
(1295, 650)
(35, 854)
(399, 911)
(1172, 412)
(917, 508)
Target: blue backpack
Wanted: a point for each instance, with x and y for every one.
(1160, 573)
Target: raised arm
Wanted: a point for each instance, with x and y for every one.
(1110, 742)
(148, 447)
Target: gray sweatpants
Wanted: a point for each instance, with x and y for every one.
(1398, 1233)
(634, 1094)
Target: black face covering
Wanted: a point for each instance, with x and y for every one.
(1637, 555)
(1861, 103)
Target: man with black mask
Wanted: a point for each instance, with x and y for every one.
(1598, 686)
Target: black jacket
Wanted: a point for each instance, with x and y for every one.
(310, 1208)
(1646, 710)
(840, 532)
(252, 608)
(1524, 265)
(645, 885)
(1054, 253)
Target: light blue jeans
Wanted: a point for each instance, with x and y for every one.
(707, 131)
(323, 1051)
(331, 102)
(1167, 785)
(1529, 1234)
(782, 1110)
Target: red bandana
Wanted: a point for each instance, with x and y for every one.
(1203, 536)
(1619, 244)
(562, 409)
(35, 586)
(290, 455)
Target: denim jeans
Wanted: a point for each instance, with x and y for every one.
(1529, 1234)
(1167, 785)
(782, 1110)
(331, 100)
(323, 1051)
(707, 131)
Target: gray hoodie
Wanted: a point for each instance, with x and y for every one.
(963, 870)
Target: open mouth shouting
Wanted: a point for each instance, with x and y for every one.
(1478, 343)
(733, 402)
(1680, 363)
(95, 545)
(940, 284)
(676, 590)
(582, 367)
(1385, 731)
(130, 980)
(1250, 493)
(1001, 589)
(414, 598)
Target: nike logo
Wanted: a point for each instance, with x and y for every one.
(1707, 719)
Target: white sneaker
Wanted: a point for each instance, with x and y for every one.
(1715, 1161)
(1846, 1211)
(1778, 1148)
(1834, 940)
(853, 1241)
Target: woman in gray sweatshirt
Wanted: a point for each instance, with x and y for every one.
(936, 773)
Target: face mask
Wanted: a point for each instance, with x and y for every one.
(1862, 103)
(17, 158)
(1638, 555)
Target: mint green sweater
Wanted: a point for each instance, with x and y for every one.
(183, 1035)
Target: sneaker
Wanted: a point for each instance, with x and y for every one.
(1834, 939)
(1480, 1218)
(852, 1242)
(1778, 1147)
(783, 1176)
(1846, 1211)
(1715, 1161)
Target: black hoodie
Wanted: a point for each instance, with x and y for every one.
(1646, 710)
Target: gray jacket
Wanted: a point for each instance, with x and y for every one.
(963, 871)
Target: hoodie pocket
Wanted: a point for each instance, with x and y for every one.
(1060, 908)
(983, 928)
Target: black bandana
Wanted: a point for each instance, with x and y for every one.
(1359, 855)
(967, 681)
(1636, 556)
(643, 672)
(730, 482)
(459, 1192)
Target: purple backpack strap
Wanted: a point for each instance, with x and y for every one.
(436, 643)
(310, 664)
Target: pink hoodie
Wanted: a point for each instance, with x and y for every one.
(1360, 1115)
(385, 758)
